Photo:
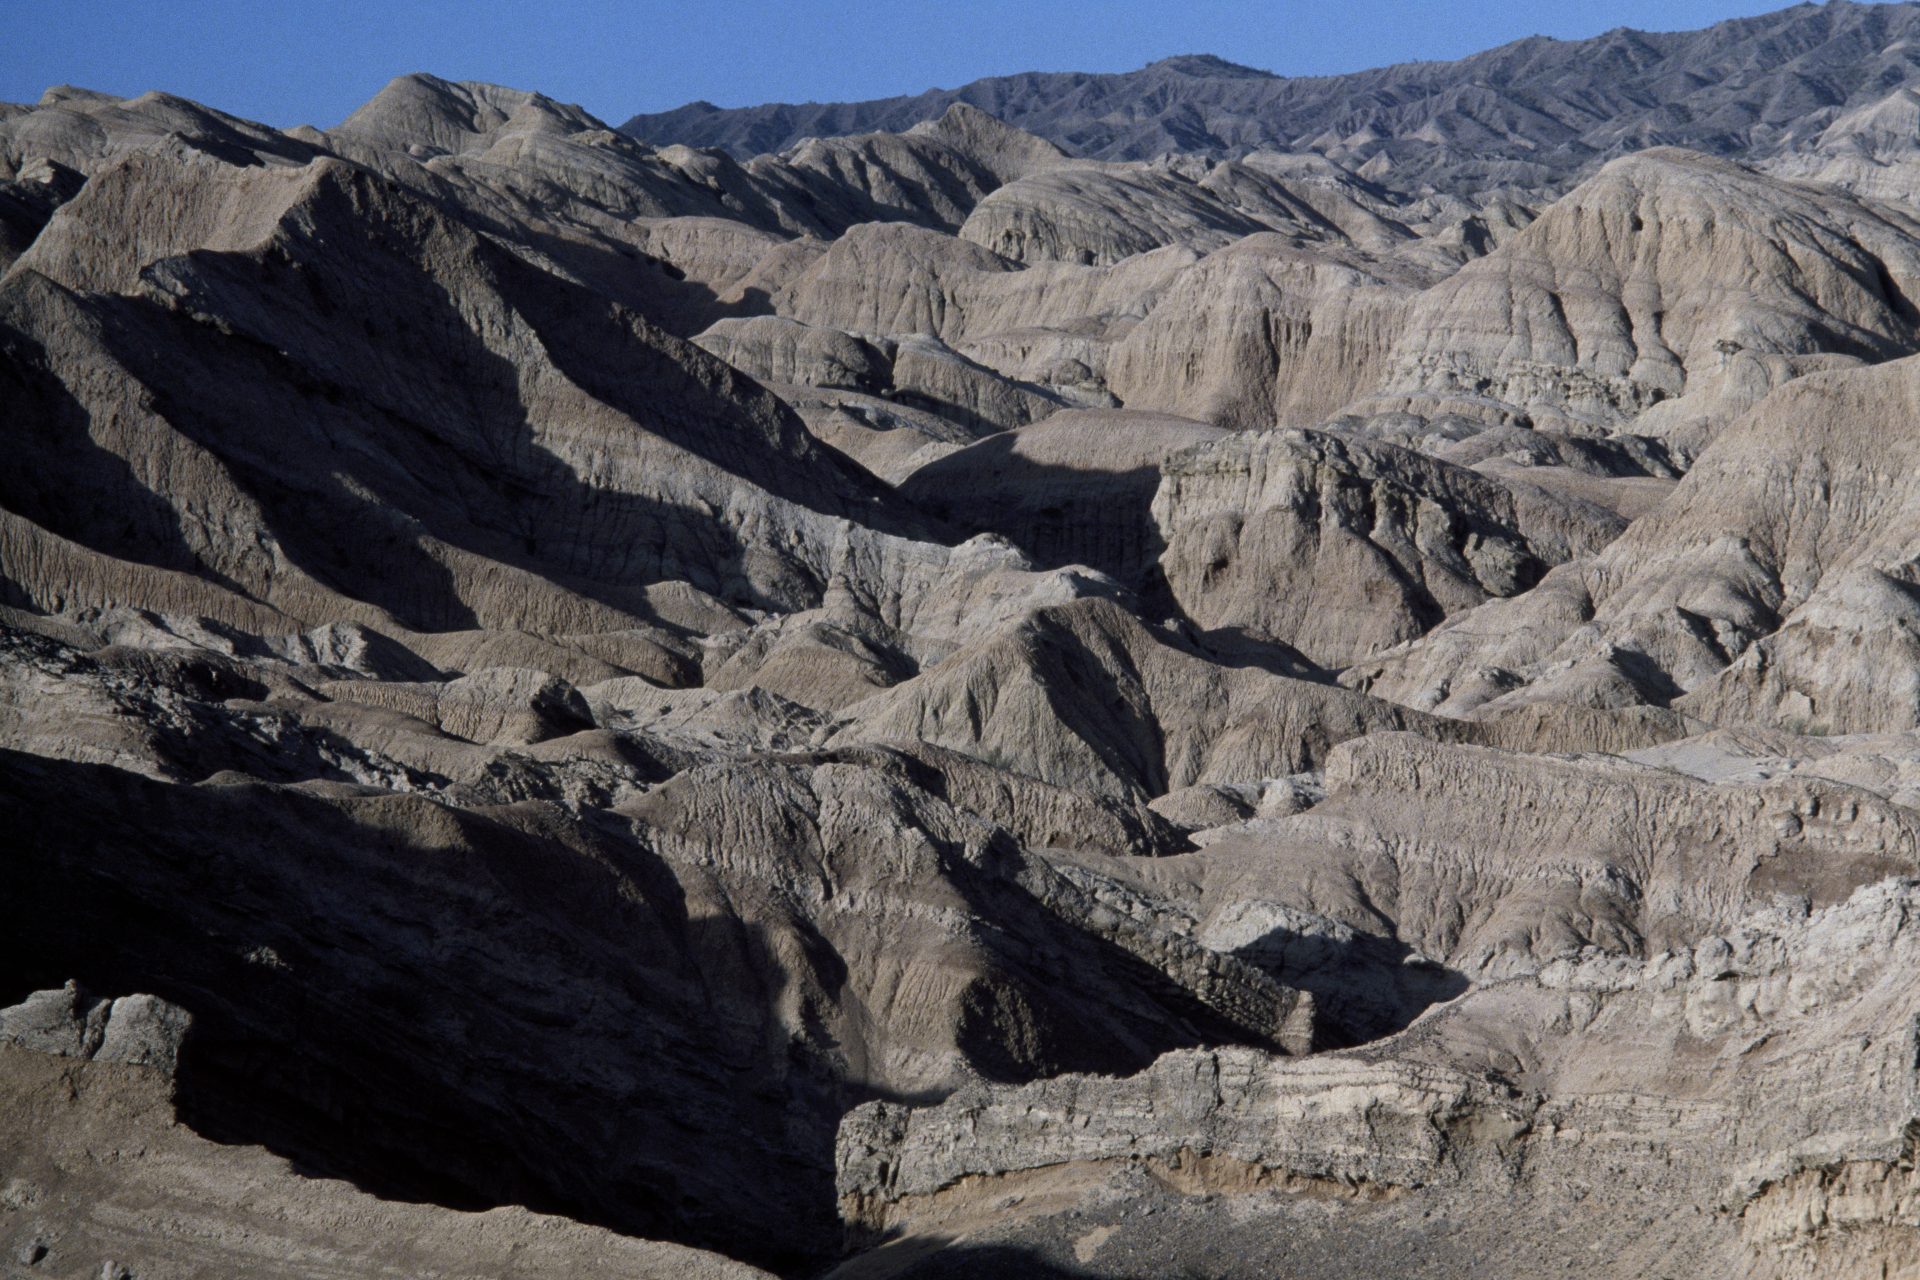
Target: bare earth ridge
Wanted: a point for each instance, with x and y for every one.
(1180, 674)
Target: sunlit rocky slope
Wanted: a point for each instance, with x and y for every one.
(962, 702)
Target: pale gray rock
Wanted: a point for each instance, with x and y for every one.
(27, 202)
(934, 174)
(1535, 112)
(1668, 293)
(1742, 594)
(1086, 696)
(917, 371)
(1271, 1161)
(1049, 323)
(1263, 333)
(1312, 197)
(82, 131)
(889, 439)
(1341, 548)
(1627, 859)
(772, 349)
(1095, 215)
(688, 483)
(388, 817)
(498, 705)
(1868, 150)
(1327, 700)
(135, 1031)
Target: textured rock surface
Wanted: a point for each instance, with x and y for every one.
(1670, 291)
(1087, 696)
(1341, 549)
(1096, 215)
(103, 1178)
(1074, 489)
(1767, 589)
(1723, 1047)
(1261, 334)
(917, 371)
(1320, 679)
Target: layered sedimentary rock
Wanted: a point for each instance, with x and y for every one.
(1342, 548)
(934, 174)
(531, 520)
(1086, 696)
(918, 371)
(760, 1001)
(1097, 215)
(1328, 702)
(1262, 333)
(1071, 490)
(1767, 589)
(1716, 1056)
(1670, 292)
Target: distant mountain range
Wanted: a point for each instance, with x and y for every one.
(1535, 112)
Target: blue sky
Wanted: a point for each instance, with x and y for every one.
(311, 61)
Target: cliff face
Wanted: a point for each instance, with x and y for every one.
(1511, 1095)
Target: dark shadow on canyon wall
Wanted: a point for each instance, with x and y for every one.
(434, 1005)
(1364, 986)
(1058, 515)
(516, 1007)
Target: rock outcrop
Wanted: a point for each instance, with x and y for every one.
(1309, 678)
(103, 1178)
(1341, 548)
(1766, 590)
(1261, 334)
(1666, 295)
(1532, 112)
(1726, 1084)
